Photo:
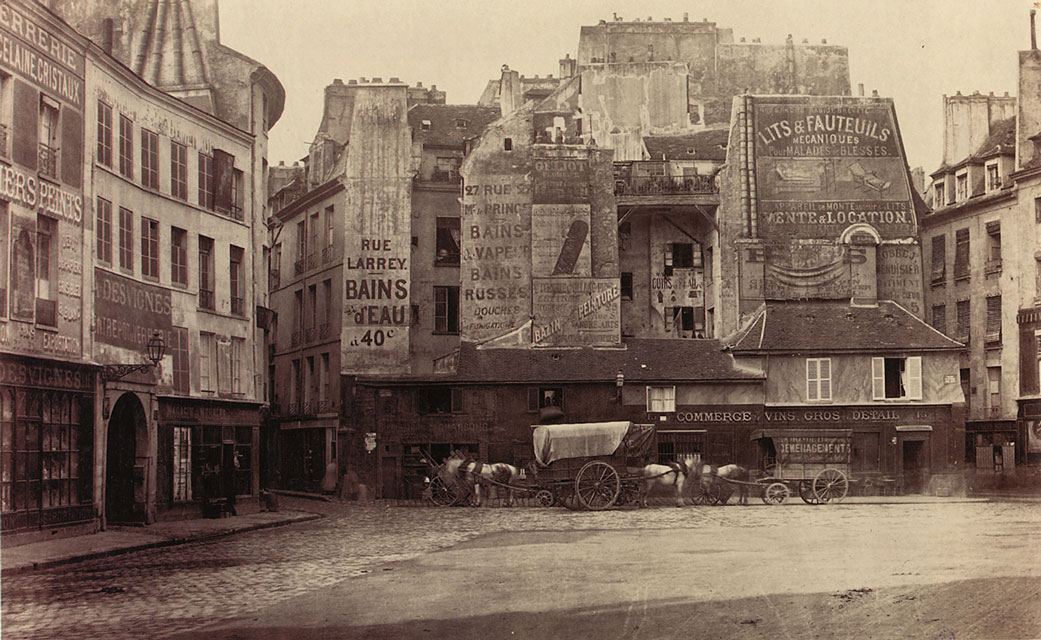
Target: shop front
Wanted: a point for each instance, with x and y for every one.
(305, 449)
(47, 448)
(1029, 430)
(207, 449)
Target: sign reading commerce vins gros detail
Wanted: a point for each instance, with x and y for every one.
(495, 260)
(825, 165)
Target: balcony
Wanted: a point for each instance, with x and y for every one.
(48, 161)
(445, 176)
(3, 142)
(274, 279)
(312, 261)
(325, 331)
(309, 335)
(205, 299)
(293, 409)
(238, 305)
(327, 255)
(323, 406)
(295, 338)
(299, 267)
(650, 183)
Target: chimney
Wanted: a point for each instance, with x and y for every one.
(510, 94)
(686, 16)
(107, 35)
(1028, 106)
(860, 89)
(1033, 33)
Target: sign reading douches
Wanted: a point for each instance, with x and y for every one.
(128, 312)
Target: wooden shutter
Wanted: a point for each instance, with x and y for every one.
(812, 379)
(224, 177)
(824, 371)
(913, 369)
(223, 365)
(25, 125)
(878, 378)
(533, 399)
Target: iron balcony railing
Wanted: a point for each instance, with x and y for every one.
(663, 185)
(325, 330)
(309, 335)
(327, 254)
(48, 161)
(299, 266)
(206, 299)
(293, 409)
(312, 261)
(323, 406)
(294, 338)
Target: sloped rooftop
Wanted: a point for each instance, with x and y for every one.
(449, 124)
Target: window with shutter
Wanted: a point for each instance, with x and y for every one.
(961, 254)
(963, 320)
(939, 262)
(993, 318)
(812, 380)
(878, 378)
(824, 369)
(913, 378)
(940, 318)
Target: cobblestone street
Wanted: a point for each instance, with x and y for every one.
(185, 588)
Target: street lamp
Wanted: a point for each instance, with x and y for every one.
(156, 347)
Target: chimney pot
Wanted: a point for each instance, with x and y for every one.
(352, 81)
(874, 93)
(395, 79)
(377, 80)
(363, 80)
(959, 92)
(1006, 94)
(281, 163)
(686, 16)
(603, 23)
(805, 41)
(419, 85)
(433, 87)
(337, 81)
(1033, 32)
(860, 89)
(742, 39)
(824, 41)
(650, 19)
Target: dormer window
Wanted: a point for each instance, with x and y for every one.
(938, 198)
(993, 177)
(461, 124)
(425, 125)
(961, 183)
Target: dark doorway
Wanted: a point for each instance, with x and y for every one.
(128, 419)
(390, 477)
(914, 465)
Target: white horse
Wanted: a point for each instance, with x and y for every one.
(672, 475)
(466, 475)
(713, 481)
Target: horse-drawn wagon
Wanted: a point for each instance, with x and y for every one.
(813, 462)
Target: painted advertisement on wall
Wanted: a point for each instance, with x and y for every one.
(900, 276)
(560, 240)
(127, 312)
(495, 256)
(823, 166)
(377, 239)
(575, 311)
(677, 284)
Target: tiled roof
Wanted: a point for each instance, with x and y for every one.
(444, 119)
(837, 326)
(703, 145)
(1002, 139)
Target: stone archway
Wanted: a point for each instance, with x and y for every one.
(127, 427)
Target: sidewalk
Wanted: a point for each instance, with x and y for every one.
(117, 540)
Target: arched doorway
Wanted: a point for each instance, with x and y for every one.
(126, 426)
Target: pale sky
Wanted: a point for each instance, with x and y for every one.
(913, 51)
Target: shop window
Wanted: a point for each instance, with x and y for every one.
(126, 147)
(939, 319)
(178, 170)
(963, 318)
(179, 351)
(126, 239)
(149, 248)
(206, 273)
(818, 379)
(182, 464)
(961, 254)
(896, 378)
(440, 400)
(446, 310)
(104, 134)
(46, 271)
(179, 256)
(865, 455)
(627, 285)
(447, 242)
(939, 261)
(993, 319)
(207, 361)
(661, 399)
(207, 182)
(542, 397)
(149, 159)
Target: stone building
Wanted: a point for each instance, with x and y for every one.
(983, 275)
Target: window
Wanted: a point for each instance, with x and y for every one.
(896, 378)
(329, 215)
(447, 169)
(206, 273)
(939, 320)
(298, 315)
(238, 351)
(938, 190)
(678, 255)
(237, 285)
(237, 193)
(126, 239)
(961, 182)
(627, 285)
(994, 388)
(104, 229)
(149, 248)
(993, 318)
(225, 373)
(48, 137)
(1037, 279)
(507, 144)
(818, 379)
(312, 304)
(178, 170)
(661, 399)
(460, 123)
(993, 180)
(47, 271)
(993, 264)
(961, 254)
(939, 266)
(126, 146)
(182, 464)
(179, 256)
(207, 361)
(296, 387)
(1037, 210)
(276, 267)
(309, 388)
(679, 319)
(149, 159)
(313, 246)
(301, 240)
(179, 351)
(542, 397)
(446, 309)
(207, 182)
(447, 242)
(962, 308)
(424, 125)
(325, 390)
(104, 134)
(327, 317)
(440, 400)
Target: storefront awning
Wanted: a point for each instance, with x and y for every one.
(801, 433)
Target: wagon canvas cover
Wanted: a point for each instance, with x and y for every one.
(561, 441)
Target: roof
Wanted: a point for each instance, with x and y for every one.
(831, 326)
(1000, 141)
(444, 130)
(703, 145)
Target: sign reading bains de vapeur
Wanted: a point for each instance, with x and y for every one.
(825, 165)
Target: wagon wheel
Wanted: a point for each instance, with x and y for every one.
(806, 493)
(630, 494)
(545, 498)
(776, 493)
(570, 501)
(597, 485)
(442, 494)
(830, 485)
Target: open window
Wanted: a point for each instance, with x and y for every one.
(440, 400)
(896, 378)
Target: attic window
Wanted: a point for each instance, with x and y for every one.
(461, 124)
(507, 144)
(690, 151)
(425, 125)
